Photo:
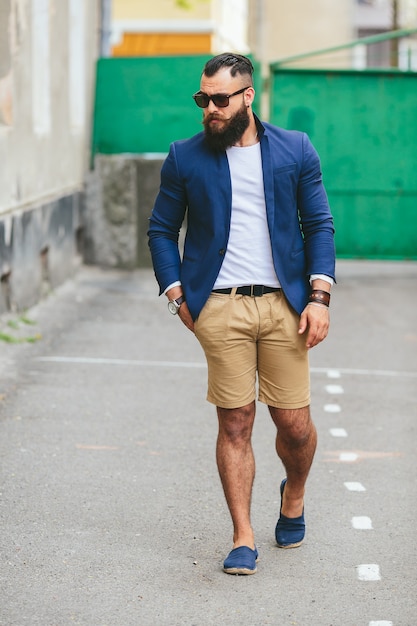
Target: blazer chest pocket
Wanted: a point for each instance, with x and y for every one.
(285, 169)
(285, 179)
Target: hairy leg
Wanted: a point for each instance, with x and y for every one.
(295, 444)
(236, 465)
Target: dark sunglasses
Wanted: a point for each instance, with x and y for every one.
(202, 100)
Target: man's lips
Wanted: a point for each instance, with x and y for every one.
(214, 120)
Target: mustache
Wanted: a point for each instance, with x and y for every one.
(213, 116)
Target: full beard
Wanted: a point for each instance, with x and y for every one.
(220, 140)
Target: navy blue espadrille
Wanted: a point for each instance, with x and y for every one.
(241, 561)
(289, 531)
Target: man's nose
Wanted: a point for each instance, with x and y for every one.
(211, 107)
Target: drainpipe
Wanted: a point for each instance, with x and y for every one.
(105, 28)
(260, 53)
(394, 43)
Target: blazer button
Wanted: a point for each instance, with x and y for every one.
(222, 251)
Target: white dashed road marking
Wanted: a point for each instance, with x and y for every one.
(333, 374)
(348, 457)
(354, 486)
(338, 432)
(362, 523)
(332, 408)
(368, 572)
(334, 389)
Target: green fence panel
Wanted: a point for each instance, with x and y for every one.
(364, 126)
(142, 104)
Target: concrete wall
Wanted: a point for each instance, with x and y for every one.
(120, 194)
(47, 75)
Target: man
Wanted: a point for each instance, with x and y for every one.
(253, 284)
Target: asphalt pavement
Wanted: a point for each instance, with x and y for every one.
(111, 509)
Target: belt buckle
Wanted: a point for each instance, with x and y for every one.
(256, 291)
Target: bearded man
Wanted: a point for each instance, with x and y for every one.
(253, 284)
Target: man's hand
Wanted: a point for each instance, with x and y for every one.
(315, 319)
(183, 313)
(185, 316)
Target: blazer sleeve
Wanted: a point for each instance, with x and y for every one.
(165, 223)
(316, 221)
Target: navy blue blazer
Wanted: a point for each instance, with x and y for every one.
(196, 185)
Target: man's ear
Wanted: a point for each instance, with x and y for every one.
(249, 96)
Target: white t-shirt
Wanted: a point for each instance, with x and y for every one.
(248, 258)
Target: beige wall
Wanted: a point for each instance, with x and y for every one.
(279, 29)
(46, 95)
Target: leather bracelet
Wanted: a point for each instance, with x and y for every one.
(320, 296)
(320, 304)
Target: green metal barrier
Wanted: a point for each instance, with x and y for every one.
(364, 126)
(144, 103)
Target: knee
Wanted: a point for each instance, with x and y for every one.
(295, 427)
(297, 435)
(236, 424)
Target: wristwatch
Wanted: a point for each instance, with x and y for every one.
(174, 305)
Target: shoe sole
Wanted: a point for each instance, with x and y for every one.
(240, 570)
(289, 546)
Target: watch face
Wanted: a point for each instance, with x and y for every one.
(173, 307)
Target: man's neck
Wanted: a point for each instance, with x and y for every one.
(249, 137)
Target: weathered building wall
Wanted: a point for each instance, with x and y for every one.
(47, 74)
(39, 250)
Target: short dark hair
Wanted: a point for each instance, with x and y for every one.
(237, 63)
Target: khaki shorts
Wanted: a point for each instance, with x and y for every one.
(243, 337)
